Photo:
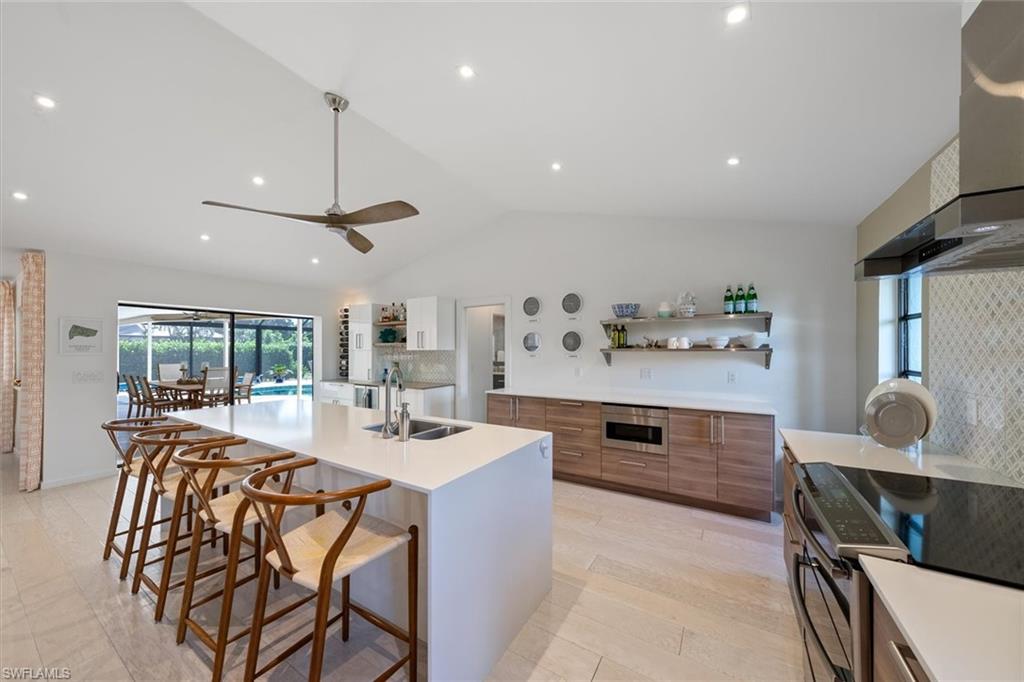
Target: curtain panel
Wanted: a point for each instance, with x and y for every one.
(7, 395)
(31, 364)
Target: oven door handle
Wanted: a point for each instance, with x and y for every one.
(838, 674)
(834, 568)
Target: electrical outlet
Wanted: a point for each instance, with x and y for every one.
(577, 371)
(730, 377)
(646, 374)
(972, 410)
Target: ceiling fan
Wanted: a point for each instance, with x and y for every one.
(334, 219)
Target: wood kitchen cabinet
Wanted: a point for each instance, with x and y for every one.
(891, 656)
(693, 461)
(576, 430)
(723, 456)
(514, 410)
(430, 323)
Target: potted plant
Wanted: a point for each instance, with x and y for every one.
(279, 372)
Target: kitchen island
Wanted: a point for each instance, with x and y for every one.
(481, 499)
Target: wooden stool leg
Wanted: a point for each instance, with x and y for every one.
(190, 578)
(170, 547)
(257, 548)
(226, 600)
(323, 605)
(258, 611)
(414, 565)
(133, 522)
(147, 529)
(115, 514)
(277, 580)
(345, 600)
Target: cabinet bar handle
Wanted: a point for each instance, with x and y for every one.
(711, 429)
(633, 464)
(571, 428)
(721, 441)
(569, 403)
(510, 417)
(571, 453)
(901, 652)
(517, 408)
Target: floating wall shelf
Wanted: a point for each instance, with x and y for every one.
(765, 316)
(767, 350)
(395, 323)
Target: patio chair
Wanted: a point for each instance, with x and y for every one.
(243, 391)
(216, 388)
(134, 396)
(156, 402)
(169, 371)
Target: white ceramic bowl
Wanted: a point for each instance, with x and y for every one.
(718, 341)
(755, 340)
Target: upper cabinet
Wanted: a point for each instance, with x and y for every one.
(431, 323)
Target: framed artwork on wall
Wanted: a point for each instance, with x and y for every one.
(81, 336)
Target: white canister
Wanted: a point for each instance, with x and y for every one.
(684, 342)
(673, 342)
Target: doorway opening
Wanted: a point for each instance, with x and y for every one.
(484, 337)
(241, 356)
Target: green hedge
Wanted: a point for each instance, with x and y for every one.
(277, 349)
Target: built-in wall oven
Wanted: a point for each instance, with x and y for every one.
(631, 427)
(827, 527)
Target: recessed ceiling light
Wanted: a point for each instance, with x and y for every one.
(987, 228)
(257, 180)
(737, 13)
(315, 261)
(466, 71)
(45, 102)
(555, 166)
(205, 237)
(733, 161)
(20, 196)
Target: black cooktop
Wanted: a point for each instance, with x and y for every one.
(971, 529)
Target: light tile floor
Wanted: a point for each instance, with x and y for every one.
(642, 590)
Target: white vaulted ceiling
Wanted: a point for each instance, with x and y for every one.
(830, 106)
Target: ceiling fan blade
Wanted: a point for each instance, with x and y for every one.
(356, 239)
(301, 217)
(380, 213)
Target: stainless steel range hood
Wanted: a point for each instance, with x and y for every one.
(983, 227)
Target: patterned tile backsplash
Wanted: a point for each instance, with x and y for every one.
(421, 365)
(976, 357)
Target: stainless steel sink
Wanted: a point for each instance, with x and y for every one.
(424, 430)
(442, 431)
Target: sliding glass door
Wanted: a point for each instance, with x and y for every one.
(269, 356)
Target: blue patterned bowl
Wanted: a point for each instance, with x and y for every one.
(625, 309)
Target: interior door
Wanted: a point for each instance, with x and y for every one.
(692, 457)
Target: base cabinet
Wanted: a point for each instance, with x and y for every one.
(891, 656)
(725, 458)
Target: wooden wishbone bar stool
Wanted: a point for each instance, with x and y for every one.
(230, 514)
(130, 467)
(156, 447)
(314, 556)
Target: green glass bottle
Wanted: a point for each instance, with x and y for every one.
(751, 299)
(613, 337)
(740, 304)
(623, 337)
(729, 301)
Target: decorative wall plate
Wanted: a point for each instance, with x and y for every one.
(572, 341)
(572, 303)
(531, 342)
(531, 306)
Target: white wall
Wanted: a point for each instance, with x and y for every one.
(74, 447)
(803, 274)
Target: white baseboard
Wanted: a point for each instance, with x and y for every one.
(81, 478)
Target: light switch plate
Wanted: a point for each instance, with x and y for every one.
(972, 410)
(87, 377)
(730, 377)
(646, 374)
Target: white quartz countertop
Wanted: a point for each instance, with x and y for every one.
(683, 400)
(861, 452)
(959, 629)
(335, 435)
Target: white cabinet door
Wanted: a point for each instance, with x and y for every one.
(361, 312)
(431, 321)
(412, 396)
(360, 364)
